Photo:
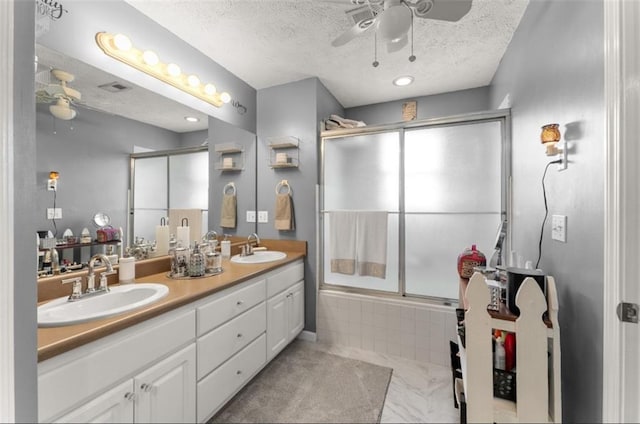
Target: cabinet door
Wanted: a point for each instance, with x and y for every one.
(167, 390)
(296, 309)
(113, 406)
(277, 324)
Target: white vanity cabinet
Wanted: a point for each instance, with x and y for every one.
(163, 393)
(182, 366)
(144, 373)
(285, 308)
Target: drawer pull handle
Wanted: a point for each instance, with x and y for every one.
(146, 387)
(238, 372)
(239, 335)
(129, 396)
(239, 302)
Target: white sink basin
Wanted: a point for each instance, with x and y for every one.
(259, 257)
(60, 311)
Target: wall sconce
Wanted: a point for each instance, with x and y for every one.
(550, 137)
(52, 183)
(119, 47)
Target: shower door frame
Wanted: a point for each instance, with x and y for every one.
(503, 116)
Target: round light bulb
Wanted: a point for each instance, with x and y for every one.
(210, 89)
(193, 80)
(150, 58)
(225, 97)
(122, 42)
(173, 70)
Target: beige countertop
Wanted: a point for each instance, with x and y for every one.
(53, 341)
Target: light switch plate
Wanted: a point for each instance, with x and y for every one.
(263, 216)
(559, 228)
(251, 216)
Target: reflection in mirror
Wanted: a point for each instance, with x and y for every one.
(92, 150)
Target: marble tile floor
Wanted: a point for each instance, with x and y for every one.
(419, 392)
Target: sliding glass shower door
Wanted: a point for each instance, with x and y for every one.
(443, 185)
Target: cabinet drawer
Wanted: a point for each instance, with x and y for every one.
(227, 306)
(278, 282)
(222, 343)
(215, 389)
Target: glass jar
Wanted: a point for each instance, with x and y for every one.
(196, 263)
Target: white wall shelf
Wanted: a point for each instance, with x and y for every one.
(230, 157)
(284, 152)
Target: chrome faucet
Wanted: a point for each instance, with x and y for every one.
(247, 249)
(253, 236)
(209, 235)
(91, 278)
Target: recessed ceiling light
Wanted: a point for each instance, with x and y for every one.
(191, 118)
(404, 80)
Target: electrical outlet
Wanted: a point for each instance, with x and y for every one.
(251, 216)
(52, 185)
(559, 228)
(54, 213)
(263, 216)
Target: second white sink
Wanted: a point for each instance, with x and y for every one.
(259, 257)
(60, 311)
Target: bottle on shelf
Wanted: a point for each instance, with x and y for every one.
(499, 356)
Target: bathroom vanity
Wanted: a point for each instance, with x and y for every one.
(180, 359)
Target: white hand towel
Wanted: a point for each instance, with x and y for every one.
(371, 244)
(342, 241)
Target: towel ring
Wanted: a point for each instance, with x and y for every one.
(231, 186)
(281, 184)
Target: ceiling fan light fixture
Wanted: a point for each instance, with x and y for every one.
(394, 23)
(62, 110)
(403, 80)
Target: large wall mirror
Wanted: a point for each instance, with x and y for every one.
(113, 120)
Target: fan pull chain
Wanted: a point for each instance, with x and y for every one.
(375, 50)
(412, 58)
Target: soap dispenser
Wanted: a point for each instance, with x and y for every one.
(225, 247)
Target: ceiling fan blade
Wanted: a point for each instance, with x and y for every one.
(394, 46)
(444, 10)
(353, 32)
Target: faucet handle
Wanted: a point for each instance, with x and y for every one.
(76, 289)
(103, 280)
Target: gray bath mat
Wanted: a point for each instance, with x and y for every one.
(304, 385)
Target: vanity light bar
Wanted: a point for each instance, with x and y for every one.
(119, 47)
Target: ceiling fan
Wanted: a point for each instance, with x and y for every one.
(51, 87)
(392, 19)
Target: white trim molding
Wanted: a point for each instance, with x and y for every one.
(622, 214)
(7, 360)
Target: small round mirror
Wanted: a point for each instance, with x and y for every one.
(101, 219)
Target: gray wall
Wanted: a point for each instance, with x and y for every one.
(193, 138)
(24, 186)
(245, 181)
(91, 152)
(554, 72)
(293, 109)
(454, 103)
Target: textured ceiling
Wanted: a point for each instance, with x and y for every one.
(272, 42)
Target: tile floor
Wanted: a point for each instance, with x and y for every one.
(418, 392)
